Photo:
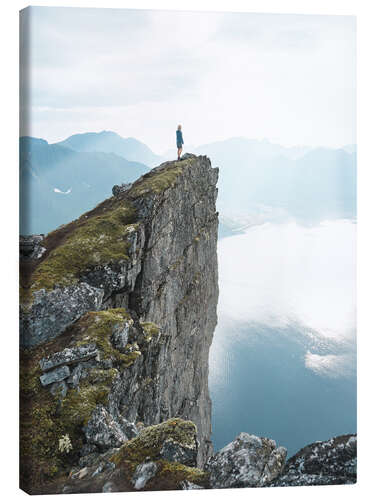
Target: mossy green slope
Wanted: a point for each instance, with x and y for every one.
(98, 240)
(100, 236)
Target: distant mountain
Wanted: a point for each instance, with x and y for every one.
(109, 142)
(308, 184)
(58, 184)
(243, 147)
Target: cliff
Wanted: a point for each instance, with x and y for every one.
(118, 310)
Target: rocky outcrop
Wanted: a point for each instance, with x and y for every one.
(31, 247)
(142, 463)
(328, 462)
(248, 461)
(117, 318)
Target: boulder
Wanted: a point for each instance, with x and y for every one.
(52, 311)
(122, 188)
(175, 452)
(60, 373)
(31, 247)
(248, 461)
(143, 473)
(69, 356)
(328, 462)
(103, 430)
(186, 156)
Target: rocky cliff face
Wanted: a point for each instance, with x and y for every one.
(118, 310)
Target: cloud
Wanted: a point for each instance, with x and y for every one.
(283, 32)
(289, 78)
(108, 57)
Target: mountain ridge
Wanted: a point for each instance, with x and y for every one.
(107, 141)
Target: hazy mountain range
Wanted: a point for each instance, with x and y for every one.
(110, 142)
(259, 180)
(304, 183)
(58, 184)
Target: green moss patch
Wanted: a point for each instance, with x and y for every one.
(156, 181)
(150, 440)
(96, 241)
(170, 475)
(150, 330)
(148, 444)
(98, 327)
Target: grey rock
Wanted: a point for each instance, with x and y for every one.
(122, 188)
(60, 389)
(187, 485)
(75, 376)
(31, 247)
(248, 461)
(103, 430)
(68, 356)
(321, 463)
(120, 336)
(51, 312)
(274, 466)
(186, 156)
(60, 373)
(143, 473)
(129, 428)
(81, 370)
(175, 452)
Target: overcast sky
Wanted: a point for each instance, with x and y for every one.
(287, 78)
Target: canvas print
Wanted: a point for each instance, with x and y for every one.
(187, 250)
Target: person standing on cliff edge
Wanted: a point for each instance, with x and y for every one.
(180, 141)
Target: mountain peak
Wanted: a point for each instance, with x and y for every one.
(108, 141)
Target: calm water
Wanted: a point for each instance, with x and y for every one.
(282, 363)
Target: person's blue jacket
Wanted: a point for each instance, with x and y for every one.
(179, 138)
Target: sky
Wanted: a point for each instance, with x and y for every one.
(287, 78)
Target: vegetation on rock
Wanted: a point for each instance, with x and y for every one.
(46, 417)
